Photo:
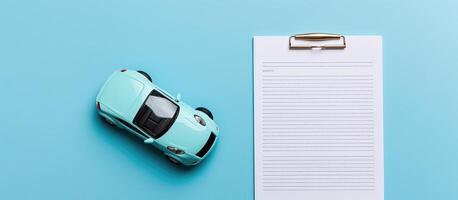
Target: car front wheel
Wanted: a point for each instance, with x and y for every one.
(173, 160)
(206, 111)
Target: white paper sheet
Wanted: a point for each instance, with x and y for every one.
(318, 121)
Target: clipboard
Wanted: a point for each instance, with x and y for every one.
(318, 117)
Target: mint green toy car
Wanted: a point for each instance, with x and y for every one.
(130, 100)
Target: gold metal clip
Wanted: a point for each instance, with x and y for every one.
(317, 37)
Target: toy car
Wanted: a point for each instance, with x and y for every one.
(130, 100)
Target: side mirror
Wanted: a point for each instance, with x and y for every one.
(178, 98)
(149, 141)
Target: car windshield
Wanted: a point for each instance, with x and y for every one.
(156, 115)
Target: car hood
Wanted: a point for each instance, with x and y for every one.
(186, 133)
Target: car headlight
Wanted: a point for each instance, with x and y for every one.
(200, 120)
(175, 150)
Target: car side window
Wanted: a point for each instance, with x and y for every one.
(131, 127)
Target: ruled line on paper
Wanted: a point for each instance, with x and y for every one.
(338, 62)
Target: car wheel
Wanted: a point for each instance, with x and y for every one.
(173, 160)
(146, 75)
(206, 111)
(109, 122)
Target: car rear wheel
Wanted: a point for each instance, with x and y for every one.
(109, 122)
(145, 75)
(206, 111)
(173, 160)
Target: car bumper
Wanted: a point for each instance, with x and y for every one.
(192, 159)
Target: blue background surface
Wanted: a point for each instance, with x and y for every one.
(54, 56)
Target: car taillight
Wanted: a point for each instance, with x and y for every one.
(123, 70)
(98, 106)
